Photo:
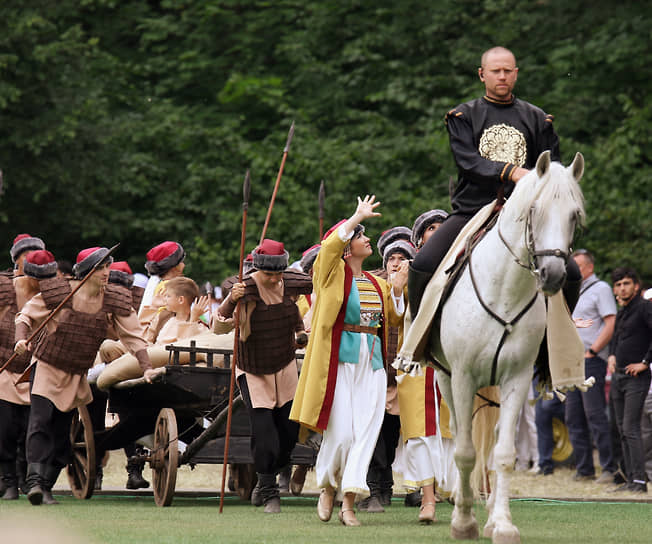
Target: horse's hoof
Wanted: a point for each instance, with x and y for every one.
(506, 535)
(469, 532)
(488, 530)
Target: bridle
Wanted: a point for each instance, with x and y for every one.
(532, 252)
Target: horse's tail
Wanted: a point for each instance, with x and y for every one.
(483, 429)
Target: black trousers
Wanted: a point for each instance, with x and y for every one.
(13, 430)
(628, 395)
(133, 425)
(273, 434)
(379, 475)
(48, 434)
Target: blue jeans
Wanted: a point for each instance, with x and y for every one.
(586, 417)
(628, 394)
(544, 411)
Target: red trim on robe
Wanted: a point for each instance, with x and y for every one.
(431, 409)
(336, 337)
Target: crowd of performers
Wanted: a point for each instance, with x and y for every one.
(112, 330)
(345, 399)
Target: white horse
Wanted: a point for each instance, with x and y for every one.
(523, 256)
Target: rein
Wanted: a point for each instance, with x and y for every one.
(508, 325)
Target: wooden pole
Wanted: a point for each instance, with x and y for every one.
(236, 342)
(278, 181)
(322, 203)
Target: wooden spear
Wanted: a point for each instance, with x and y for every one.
(25, 375)
(322, 202)
(245, 206)
(278, 181)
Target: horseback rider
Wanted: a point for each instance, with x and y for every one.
(495, 140)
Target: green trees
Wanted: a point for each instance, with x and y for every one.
(135, 121)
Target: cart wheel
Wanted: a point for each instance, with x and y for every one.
(81, 469)
(165, 457)
(245, 479)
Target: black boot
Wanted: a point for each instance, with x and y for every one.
(36, 482)
(135, 471)
(417, 281)
(99, 475)
(284, 479)
(269, 493)
(9, 481)
(372, 503)
(51, 476)
(413, 499)
(21, 472)
(386, 485)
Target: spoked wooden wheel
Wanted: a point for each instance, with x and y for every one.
(245, 479)
(165, 457)
(81, 469)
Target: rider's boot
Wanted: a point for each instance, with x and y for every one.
(417, 281)
(571, 287)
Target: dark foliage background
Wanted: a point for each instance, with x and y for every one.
(135, 121)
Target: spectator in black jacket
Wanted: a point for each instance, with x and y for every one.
(630, 353)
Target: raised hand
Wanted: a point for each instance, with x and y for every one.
(366, 207)
(199, 308)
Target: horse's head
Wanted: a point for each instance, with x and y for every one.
(555, 208)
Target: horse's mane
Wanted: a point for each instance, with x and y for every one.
(556, 185)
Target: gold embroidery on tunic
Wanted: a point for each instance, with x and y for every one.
(503, 143)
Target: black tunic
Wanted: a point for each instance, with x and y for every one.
(489, 139)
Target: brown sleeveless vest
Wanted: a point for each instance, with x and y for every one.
(73, 345)
(270, 346)
(8, 327)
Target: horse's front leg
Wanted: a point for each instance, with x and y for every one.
(463, 523)
(499, 526)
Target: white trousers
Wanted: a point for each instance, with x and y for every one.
(526, 436)
(353, 427)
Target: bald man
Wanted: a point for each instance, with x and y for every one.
(495, 139)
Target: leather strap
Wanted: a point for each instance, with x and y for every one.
(360, 328)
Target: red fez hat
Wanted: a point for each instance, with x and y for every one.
(88, 258)
(122, 266)
(121, 274)
(164, 257)
(270, 256)
(25, 242)
(308, 257)
(40, 264)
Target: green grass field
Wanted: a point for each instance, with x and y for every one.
(124, 519)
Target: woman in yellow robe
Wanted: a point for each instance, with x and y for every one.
(342, 385)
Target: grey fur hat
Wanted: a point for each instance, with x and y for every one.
(391, 235)
(270, 256)
(23, 243)
(424, 221)
(399, 246)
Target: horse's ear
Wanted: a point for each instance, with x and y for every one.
(543, 164)
(577, 166)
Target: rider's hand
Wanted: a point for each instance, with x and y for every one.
(149, 375)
